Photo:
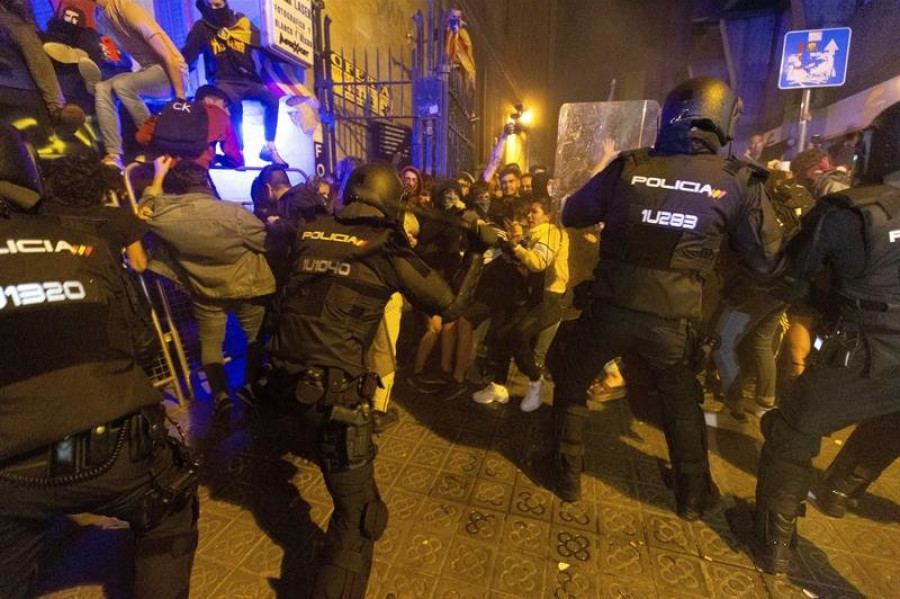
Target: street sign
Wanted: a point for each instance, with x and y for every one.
(288, 29)
(815, 58)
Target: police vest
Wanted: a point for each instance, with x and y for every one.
(335, 298)
(879, 206)
(66, 357)
(665, 229)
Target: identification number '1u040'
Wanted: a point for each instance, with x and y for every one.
(26, 294)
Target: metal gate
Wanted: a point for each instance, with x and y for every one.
(412, 108)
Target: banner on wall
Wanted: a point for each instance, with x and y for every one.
(356, 86)
(288, 29)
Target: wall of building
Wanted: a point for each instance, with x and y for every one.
(512, 41)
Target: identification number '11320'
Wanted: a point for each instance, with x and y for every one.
(25, 294)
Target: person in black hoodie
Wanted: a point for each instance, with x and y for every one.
(226, 39)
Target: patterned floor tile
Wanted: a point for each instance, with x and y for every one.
(402, 505)
(453, 486)
(423, 551)
(206, 576)
(614, 521)
(482, 524)
(453, 589)
(606, 465)
(623, 559)
(676, 574)
(519, 575)
(497, 468)
(656, 498)
(721, 546)
(781, 587)
(532, 502)
(464, 460)
(573, 546)
(613, 587)
(576, 514)
(835, 568)
(391, 542)
(210, 526)
(431, 455)
(402, 583)
(735, 583)
(669, 532)
(564, 581)
(619, 492)
(440, 515)
(398, 450)
(234, 544)
(491, 495)
(416, 478)
(526, 535)
(471, 561)
(245, 585)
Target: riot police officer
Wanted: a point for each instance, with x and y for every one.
(82, 428)
(856, 375)
(345, 269)
(667, 211)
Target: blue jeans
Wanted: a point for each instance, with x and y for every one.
(129, 88)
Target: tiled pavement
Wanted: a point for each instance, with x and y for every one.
(471, 517)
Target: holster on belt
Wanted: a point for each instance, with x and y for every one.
(347, 398)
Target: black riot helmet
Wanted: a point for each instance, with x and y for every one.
(703, 102)
(20, 180)
(881, 147)
(378, 186)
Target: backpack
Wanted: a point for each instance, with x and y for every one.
(182, 129)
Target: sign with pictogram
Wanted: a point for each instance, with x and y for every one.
(815, 58)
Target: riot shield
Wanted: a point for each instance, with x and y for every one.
(584, 126)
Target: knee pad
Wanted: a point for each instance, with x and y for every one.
(375, 519)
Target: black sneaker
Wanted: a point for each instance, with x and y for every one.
(382, 421)
(425, 383)
(455, 390)
(246, 396)
(222, 406)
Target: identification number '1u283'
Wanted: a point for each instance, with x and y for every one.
(669, 219)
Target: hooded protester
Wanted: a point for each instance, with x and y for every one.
(226, 39)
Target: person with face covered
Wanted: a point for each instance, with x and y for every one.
(226, 39)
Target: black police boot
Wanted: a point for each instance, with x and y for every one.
(694, 494)
(358, 520)
(773, 541)
(841, 488)
(569, 457)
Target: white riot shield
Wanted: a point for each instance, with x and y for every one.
(583, 127)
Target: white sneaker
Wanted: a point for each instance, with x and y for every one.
(492, 393)
(532, 400)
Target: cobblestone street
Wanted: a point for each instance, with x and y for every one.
(471, 516)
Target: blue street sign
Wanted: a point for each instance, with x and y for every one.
(815, 58)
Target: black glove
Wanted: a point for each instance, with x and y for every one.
(481, 235)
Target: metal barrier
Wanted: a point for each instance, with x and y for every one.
(168, 299)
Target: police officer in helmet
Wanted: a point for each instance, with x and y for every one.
(856, 374)
(344, 270)
(667, 211)
(82, 427)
